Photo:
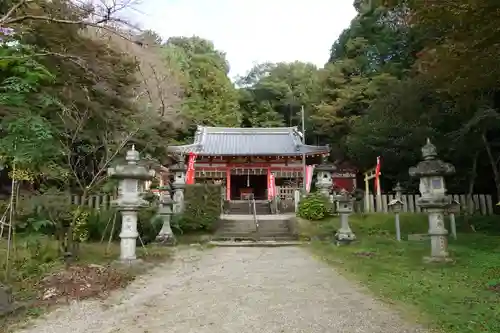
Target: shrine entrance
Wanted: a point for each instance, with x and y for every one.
(243, 186)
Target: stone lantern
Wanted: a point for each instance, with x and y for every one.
(178, 186)
(166, 235)
(324, 180)
(345, 207)
(453, 208)
(433, 200)
(129, 177)
(396, 205)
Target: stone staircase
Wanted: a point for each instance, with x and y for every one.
(270, 227)
(243, 207)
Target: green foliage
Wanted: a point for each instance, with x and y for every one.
(202, 208)
(210, 97)
(50, 213)
(26, 138)
(149, 223)
(488, 224)
(37, 256)
(314, 207)
(273, 94)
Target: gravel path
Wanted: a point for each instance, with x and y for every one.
(235, 290)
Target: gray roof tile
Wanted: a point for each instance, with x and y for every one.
(248, 142)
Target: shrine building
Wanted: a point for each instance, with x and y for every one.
(242, 159)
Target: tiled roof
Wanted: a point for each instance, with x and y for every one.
(229, 141)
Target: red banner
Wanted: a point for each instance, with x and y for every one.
(190, 169)
(309, 176)
(377, 175)
(271, 186)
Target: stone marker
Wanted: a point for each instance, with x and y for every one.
(434, 200)
(396, 206)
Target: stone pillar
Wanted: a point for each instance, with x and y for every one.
(296, 199)
(129, 201)
(166, 235)
(453, 208)
(324, 181)
(434, 200)
(344, 235)
(396, 205)
(178, 186)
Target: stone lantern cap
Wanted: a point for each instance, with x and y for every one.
(343, 197)
(431, 166)
(398, 188)
(178, 167)
(131, 170)
(454, 206)
(396, 205)
(326, 167)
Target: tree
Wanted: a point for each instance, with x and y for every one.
(273, 94)
(210, 97)
(82, 96)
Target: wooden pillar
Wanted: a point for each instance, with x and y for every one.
(367, 194)
(268, 181)
(369, 175)
(228, 182)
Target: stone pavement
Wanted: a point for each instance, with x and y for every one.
(235, 290)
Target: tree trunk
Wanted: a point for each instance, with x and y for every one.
(496, 174)
(472, 181)
(72, 246)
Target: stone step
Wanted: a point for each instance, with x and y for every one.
(246, 236)
(251, 226)
(256, 243)
(243, 207)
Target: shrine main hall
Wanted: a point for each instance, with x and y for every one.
(242, 159)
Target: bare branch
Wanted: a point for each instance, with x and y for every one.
(14, 8)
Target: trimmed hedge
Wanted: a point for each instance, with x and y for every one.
(202, 208)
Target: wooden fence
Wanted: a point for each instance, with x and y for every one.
(94, 201)
(478, 204)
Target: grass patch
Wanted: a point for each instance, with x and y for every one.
(463, 297)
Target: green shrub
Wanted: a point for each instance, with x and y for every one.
(100, 222)
(149, 223)
(484, 224)
(314, 207)
(202, 208)
(92, 224)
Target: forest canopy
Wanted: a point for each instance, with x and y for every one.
(75, 91)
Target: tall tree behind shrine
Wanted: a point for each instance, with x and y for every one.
(210, 97)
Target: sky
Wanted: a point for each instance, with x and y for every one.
(253, 31)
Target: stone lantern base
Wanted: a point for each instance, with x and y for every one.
(428, 260)
(344, 235)
(344, 238)
(166, 239)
